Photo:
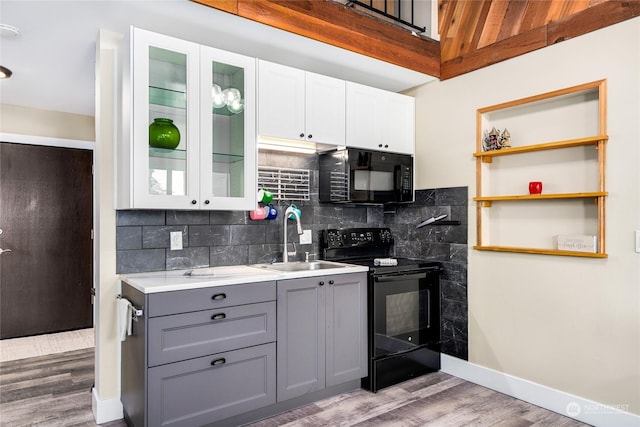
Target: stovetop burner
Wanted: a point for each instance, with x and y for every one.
(363, 246)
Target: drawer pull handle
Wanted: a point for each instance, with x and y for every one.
(218, 297)
(331, 282)
(218, 316)
(321, 283)
(220, 361)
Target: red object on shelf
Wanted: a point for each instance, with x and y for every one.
(535, 187)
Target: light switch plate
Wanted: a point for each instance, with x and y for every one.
(176, 240)
(305, 237)
(638, 241)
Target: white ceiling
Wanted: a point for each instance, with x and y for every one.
(53, 57)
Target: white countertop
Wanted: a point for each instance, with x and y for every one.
(177, 280)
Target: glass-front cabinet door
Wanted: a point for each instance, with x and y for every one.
(165, 121)
(227, 132)
(193, 128)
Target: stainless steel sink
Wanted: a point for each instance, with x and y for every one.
(302, 266)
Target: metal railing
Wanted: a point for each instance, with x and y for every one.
(395, 10)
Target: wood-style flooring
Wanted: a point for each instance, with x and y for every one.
(55, 390)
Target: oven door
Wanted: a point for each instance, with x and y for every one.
(406, 312)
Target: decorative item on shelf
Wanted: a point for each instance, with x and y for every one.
(495, 140)
(163, 134)
(535, 187)
(577, 243)
(230, 97)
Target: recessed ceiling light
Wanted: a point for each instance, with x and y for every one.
(5, 73)
(8, 30)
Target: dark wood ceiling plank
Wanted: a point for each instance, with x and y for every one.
(593, 18)
(512, 19)
(493, 22)
(494, 53)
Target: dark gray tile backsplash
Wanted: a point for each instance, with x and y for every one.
(218, 238)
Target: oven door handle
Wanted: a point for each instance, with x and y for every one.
(399, 276)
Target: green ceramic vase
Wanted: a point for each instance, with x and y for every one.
(163, 134)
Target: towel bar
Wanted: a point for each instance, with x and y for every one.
(135, 311)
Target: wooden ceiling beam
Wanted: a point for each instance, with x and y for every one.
(494, 53)
(599, 15)
(340, 26)
(473, 34)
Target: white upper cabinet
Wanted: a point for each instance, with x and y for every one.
(379, 119)
(325, 109)
(298, 105)
(213, 165)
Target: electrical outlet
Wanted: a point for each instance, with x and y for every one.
(638, 241)
(176, 240)
(305, 237)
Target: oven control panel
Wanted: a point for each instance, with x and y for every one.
(357, 237)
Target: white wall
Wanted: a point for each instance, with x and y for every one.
(52, 124)
(571, 324)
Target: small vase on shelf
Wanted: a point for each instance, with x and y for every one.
(163, 134)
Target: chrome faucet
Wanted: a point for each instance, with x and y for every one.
(296, 217)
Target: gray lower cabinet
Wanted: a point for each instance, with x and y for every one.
(207, 389)
(210, 356)
(322, 333)
(199, 356)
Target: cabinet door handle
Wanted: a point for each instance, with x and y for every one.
(331, 282)
(218, 297)
(310, 136)
(206, 202)
(380, 145)
(220, 361)
(386, 145)
(218, 316)
(302, 135)
(321, 283)
(193, 202)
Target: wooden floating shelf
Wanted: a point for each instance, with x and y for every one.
(540, 251)
(587, 195)
(593, 140)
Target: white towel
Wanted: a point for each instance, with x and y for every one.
(125, 316)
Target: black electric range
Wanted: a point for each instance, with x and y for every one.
(403, 297)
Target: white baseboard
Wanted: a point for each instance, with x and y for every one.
(106, 410)
(586, 411)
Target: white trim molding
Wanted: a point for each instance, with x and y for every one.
(47, 141)
(584, 410)
(106, 410)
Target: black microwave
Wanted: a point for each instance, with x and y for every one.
(354, 175)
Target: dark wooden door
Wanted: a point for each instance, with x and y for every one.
(46, 217)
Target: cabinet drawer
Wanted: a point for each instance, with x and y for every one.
(208, 389)
(164, 303)
(189, 335)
